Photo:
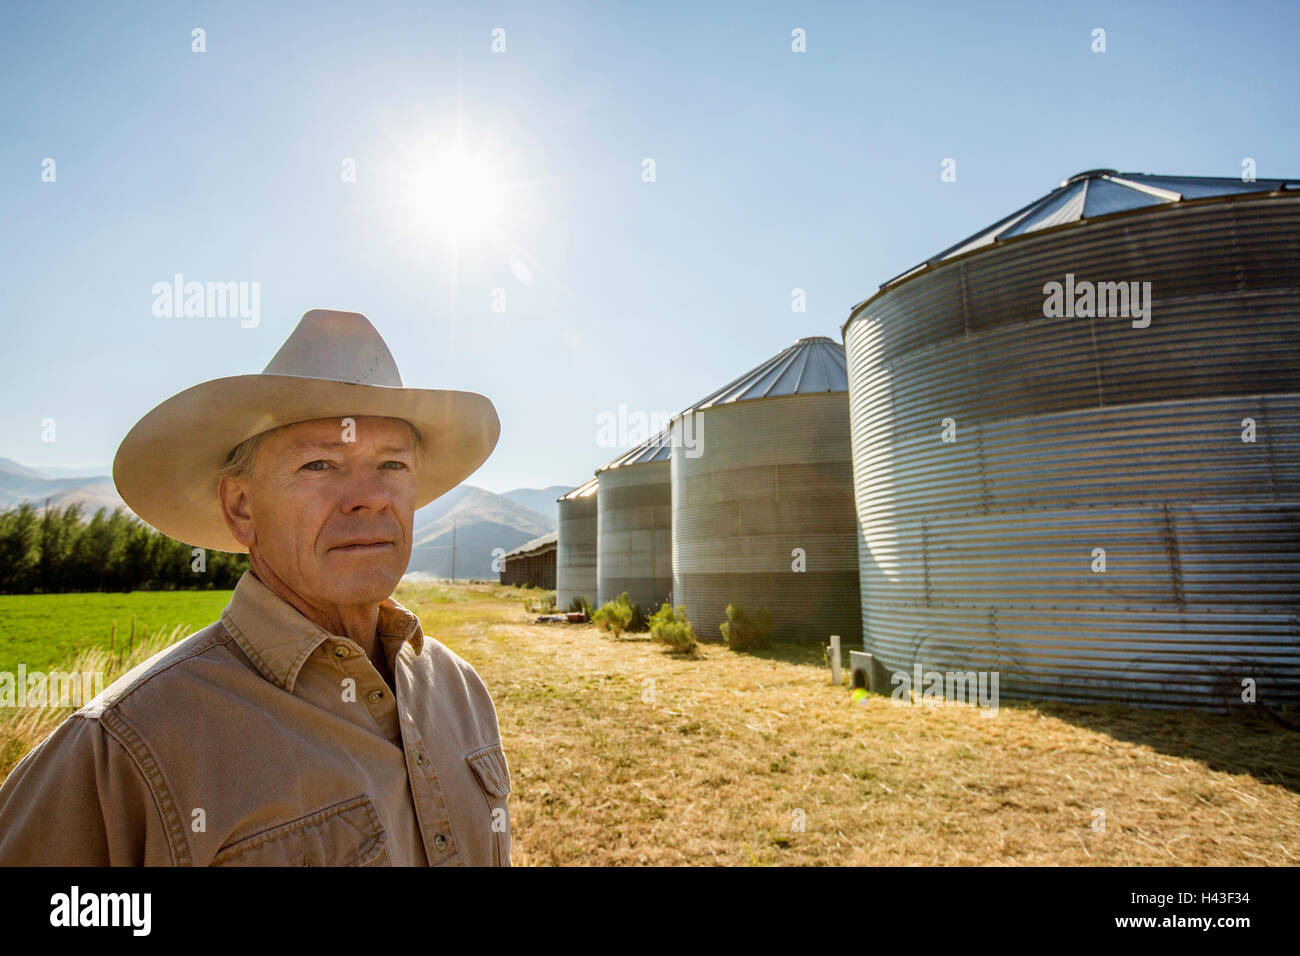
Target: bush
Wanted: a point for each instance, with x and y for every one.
(671, 627)
(618, 615)
(544, 604)
(745, 632)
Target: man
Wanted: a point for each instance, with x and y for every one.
(314, 724)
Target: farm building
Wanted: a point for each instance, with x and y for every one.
(532, 564)
(575, 562)
(1076, 446)
(762, 499)
(634, 525)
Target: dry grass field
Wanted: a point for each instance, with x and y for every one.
(623, 754)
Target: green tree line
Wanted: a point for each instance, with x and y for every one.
(58, 550)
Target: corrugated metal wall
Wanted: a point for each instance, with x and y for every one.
(532, 570)
(1075, 434)
(634, 534)
(775, 474)
(576, 559)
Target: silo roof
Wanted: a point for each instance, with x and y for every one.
(1093, 193)
(582, 491)
(658, 448)
(812, 365)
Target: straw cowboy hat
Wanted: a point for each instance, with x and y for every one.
(333, 365)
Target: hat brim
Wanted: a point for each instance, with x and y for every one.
(166, 468)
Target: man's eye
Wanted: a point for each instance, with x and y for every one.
(401, 464)
(318, 461)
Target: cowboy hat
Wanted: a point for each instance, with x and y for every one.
(333, 365)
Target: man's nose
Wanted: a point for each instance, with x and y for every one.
(365, 488)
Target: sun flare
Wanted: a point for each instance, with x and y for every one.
(456, 193)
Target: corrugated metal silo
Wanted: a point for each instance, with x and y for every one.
(1169, 440)
(770, 472)
(634, 526)
(575, 570)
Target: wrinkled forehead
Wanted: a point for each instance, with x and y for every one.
(395, 434)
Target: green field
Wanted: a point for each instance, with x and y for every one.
(42, 630)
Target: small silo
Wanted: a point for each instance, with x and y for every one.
(634, 526)
(762, 499)
(1076, 447)
(575, 570)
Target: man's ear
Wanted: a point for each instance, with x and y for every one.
(233, 498)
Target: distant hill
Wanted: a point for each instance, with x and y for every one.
(20, 483)
(484, 521)
(10, 467)
(95, 471)
(541, 500)
(438, 507)
(92, 496)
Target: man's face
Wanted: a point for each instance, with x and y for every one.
(312, 495)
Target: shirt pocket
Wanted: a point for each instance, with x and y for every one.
(347, 833)
(493, 774)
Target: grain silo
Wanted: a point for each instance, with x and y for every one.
(1076, 447)
(763, 499)
(634, 526)
(575, 570)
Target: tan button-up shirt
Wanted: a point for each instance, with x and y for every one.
(264, 740)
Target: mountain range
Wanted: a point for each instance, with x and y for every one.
(478, 520)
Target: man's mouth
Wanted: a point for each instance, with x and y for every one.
(364, 548)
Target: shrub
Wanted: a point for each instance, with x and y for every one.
(671, 627)
(544, 604)
(617, 616)
(744, 632)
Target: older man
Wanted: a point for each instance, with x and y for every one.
(314, 724)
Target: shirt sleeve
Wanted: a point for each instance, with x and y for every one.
(80, 799)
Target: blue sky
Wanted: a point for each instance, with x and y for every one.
(774, 170)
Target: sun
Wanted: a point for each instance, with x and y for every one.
(461, 203)
(455, 193)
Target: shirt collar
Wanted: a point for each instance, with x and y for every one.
(278, 638)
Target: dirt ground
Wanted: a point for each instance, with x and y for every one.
(621, 753)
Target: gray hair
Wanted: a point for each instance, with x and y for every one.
(239, 463)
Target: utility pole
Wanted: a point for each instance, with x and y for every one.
(453, 549)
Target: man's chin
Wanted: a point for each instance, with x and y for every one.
(367, 585)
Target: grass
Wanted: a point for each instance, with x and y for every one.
(623, 754)
(22, 728)
(43, 630)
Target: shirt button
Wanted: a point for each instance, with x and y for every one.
(440, 842)
(419, 757)
(340, 650)
(376, 696)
